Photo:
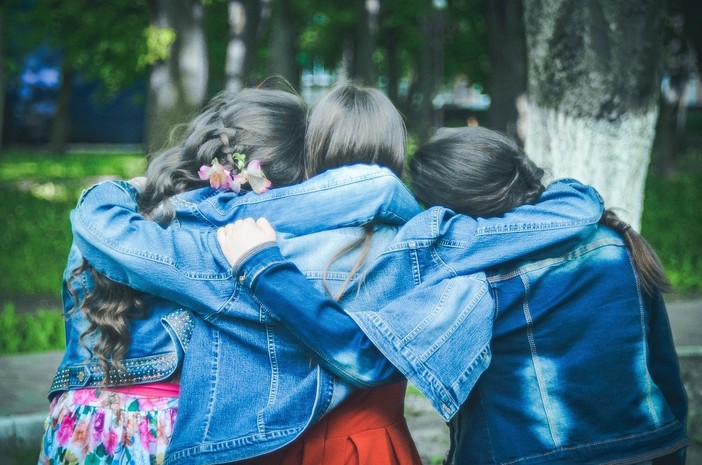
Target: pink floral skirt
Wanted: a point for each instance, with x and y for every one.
(96, 426)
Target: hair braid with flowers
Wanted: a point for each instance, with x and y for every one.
(266, 124)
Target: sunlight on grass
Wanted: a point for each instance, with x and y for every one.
(50, 191)
(16, 166)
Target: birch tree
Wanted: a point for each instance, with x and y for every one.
(594, 73)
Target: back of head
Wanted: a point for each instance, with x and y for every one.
(354, 124)
(474, 171)
(264, 124)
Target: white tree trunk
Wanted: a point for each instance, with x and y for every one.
(612, 156)
(247, 19)
(594, 73)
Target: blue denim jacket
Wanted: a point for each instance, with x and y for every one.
(247, 386)
(555, 358)
(159, 339)
(183, 262)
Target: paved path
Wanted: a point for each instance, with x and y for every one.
(24, 380)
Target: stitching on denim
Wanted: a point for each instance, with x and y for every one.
(673, 424)
(546, 262)
(214, 381)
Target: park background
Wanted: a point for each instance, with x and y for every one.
(89, 89)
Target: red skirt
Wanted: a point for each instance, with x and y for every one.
(368, 428)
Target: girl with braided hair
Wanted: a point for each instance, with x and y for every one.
(115, 396)
(562, 355)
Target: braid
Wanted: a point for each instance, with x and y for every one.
(265, 124)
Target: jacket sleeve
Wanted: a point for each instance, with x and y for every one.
(182, 265)
(315, 319)
(347, 196)
(567, 211)
(186, 265)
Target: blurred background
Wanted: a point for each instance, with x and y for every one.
(606, 92)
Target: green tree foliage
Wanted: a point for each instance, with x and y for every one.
(101, 39)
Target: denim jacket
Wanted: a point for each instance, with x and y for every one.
(159, 339)
(235, 340)
(558, 357)
(247, 386)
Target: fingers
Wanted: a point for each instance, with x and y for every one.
(249, 224)
(265, 226)
(244, 234)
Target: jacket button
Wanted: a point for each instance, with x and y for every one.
(81, 376)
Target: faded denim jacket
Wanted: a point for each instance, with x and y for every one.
(223, 418)
(558, 357)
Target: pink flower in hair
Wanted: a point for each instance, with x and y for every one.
(218, 175)
(253, 175)
(234, 174)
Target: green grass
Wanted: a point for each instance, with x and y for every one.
(39, 190)
(30, 332)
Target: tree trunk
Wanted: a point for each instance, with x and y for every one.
(61, 123)
(393, 70)
(347, 67)
(244, 21)
(366, 36)
(282, 48)
(594, 73)
(178, 84)
(507, 54)
(430, 60)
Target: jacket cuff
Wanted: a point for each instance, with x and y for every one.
(255, 261)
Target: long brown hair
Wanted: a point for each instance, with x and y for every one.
(354, 124)
(648, 266)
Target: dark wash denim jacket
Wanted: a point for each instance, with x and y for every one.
(555, 358)
(224, 415)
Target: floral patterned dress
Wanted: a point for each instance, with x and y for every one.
(95, 426)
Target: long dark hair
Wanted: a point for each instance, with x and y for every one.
(264, 124)
(482, 173)
(648, 266)
(354, 124)
(474, 171)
